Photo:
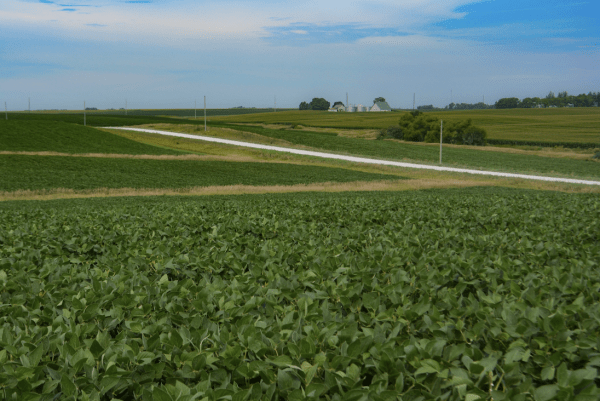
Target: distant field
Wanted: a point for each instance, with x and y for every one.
(48, 172)
(58, 136)
(549, 125)
(188, 112)
(98, 119)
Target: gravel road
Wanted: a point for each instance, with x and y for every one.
(360, 159)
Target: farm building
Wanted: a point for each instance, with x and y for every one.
(338, 107)
(381, 106)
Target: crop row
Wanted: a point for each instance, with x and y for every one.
(569, 145)
(436, 295)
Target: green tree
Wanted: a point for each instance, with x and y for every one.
(336, 103)
(378, 99)
(318, 103)
(304, 106)
(508, 103)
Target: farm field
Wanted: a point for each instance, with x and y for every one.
(97, 120)
(188, 112)
(58, 136)
(454, 156)
(26, 172)
(476, 294)
(543, 125)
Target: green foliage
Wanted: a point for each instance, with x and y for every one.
(318, 103)
(304, 106)
(47, 172)
(455, 295)
(393, 131)
(508, 103)
(378, 99)
(57, 136)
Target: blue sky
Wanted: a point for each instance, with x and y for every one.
(167, 53)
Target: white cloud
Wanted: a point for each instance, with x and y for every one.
(225, 18)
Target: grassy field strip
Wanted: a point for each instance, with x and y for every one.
(145, 157)
(365, 160)
(417, 180)
(567, 153)
(356, 186)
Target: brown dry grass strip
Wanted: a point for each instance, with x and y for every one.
(392, 185)
(126, 156)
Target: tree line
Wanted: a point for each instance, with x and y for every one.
(563, 99)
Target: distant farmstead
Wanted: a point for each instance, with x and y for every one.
(381, 106)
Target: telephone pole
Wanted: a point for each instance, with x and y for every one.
(125, 106)
(5, 110)
(194, 109)
(414, 96)
(84, 113)
(204, 113)
(441, 133)
(275, 104)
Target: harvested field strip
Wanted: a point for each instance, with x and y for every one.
(139, 157)
(417, 180)
(63, 193)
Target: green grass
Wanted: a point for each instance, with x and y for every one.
(48, 172)
(457, 157)
(543, 125)
(442, 294)
(57, 136)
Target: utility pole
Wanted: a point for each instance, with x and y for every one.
(84, 113)
(275, 104)
(414, 96)
(441, 134)
(125, 106)
(29, 102)
(346, 100)
(5, 110)
(451, 97)
(194, 109)
(204, 113)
